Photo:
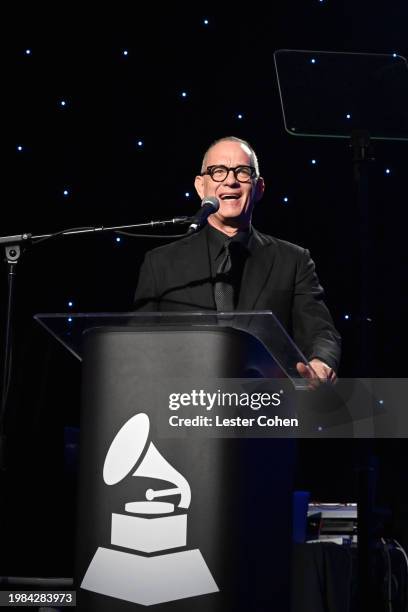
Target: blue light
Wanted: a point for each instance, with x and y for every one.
(70, 304)
(394, 55)
(118, 239)
(206, 22)
(348, 116)
(240, 116)
(19, 148)
(184, 94)
(28, 51)
(125, 52)
(320, 428)
(187, 194)
(313, 61)
(63, 103)
(69, 319)
(285, 199)
(313, 162)
(347, 317)
(65, 192)
(140, 143)
(387, 171)
(381, 402)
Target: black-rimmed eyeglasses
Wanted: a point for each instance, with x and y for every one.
(243, 174)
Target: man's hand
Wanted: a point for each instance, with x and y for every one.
(316, 372)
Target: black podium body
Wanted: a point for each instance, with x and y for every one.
(238, 523)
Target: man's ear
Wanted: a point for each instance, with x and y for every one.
(259, 189)
(199, 186)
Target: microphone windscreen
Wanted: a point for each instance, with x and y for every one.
(211, 201)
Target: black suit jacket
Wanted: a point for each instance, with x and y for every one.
(278, 276)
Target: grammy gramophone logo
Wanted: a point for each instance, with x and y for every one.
(147, 573)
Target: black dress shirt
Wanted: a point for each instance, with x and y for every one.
(240, 250)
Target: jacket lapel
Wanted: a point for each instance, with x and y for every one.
(196, 272)
(257, 271)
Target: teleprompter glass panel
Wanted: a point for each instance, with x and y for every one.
(329, 94)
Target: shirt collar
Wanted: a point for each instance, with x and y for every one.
(217, 240)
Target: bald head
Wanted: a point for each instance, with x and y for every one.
(246, 147)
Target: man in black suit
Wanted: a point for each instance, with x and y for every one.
(229, 265)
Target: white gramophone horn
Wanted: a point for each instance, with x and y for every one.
(124, 455)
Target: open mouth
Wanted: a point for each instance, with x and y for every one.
(229, 196)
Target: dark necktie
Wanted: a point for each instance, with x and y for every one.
(224, 288)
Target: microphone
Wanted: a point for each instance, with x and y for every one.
(208, 207)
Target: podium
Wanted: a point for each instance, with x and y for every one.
(167, 522)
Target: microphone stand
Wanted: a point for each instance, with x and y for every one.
(14, 246)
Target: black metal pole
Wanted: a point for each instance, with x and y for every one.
(366, 487)
(30, 238)
(362, 156)
(366, 474)
(13, 253)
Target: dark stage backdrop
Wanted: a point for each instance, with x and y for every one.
(107, 118)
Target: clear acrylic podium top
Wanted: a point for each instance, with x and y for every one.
(68, 329)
